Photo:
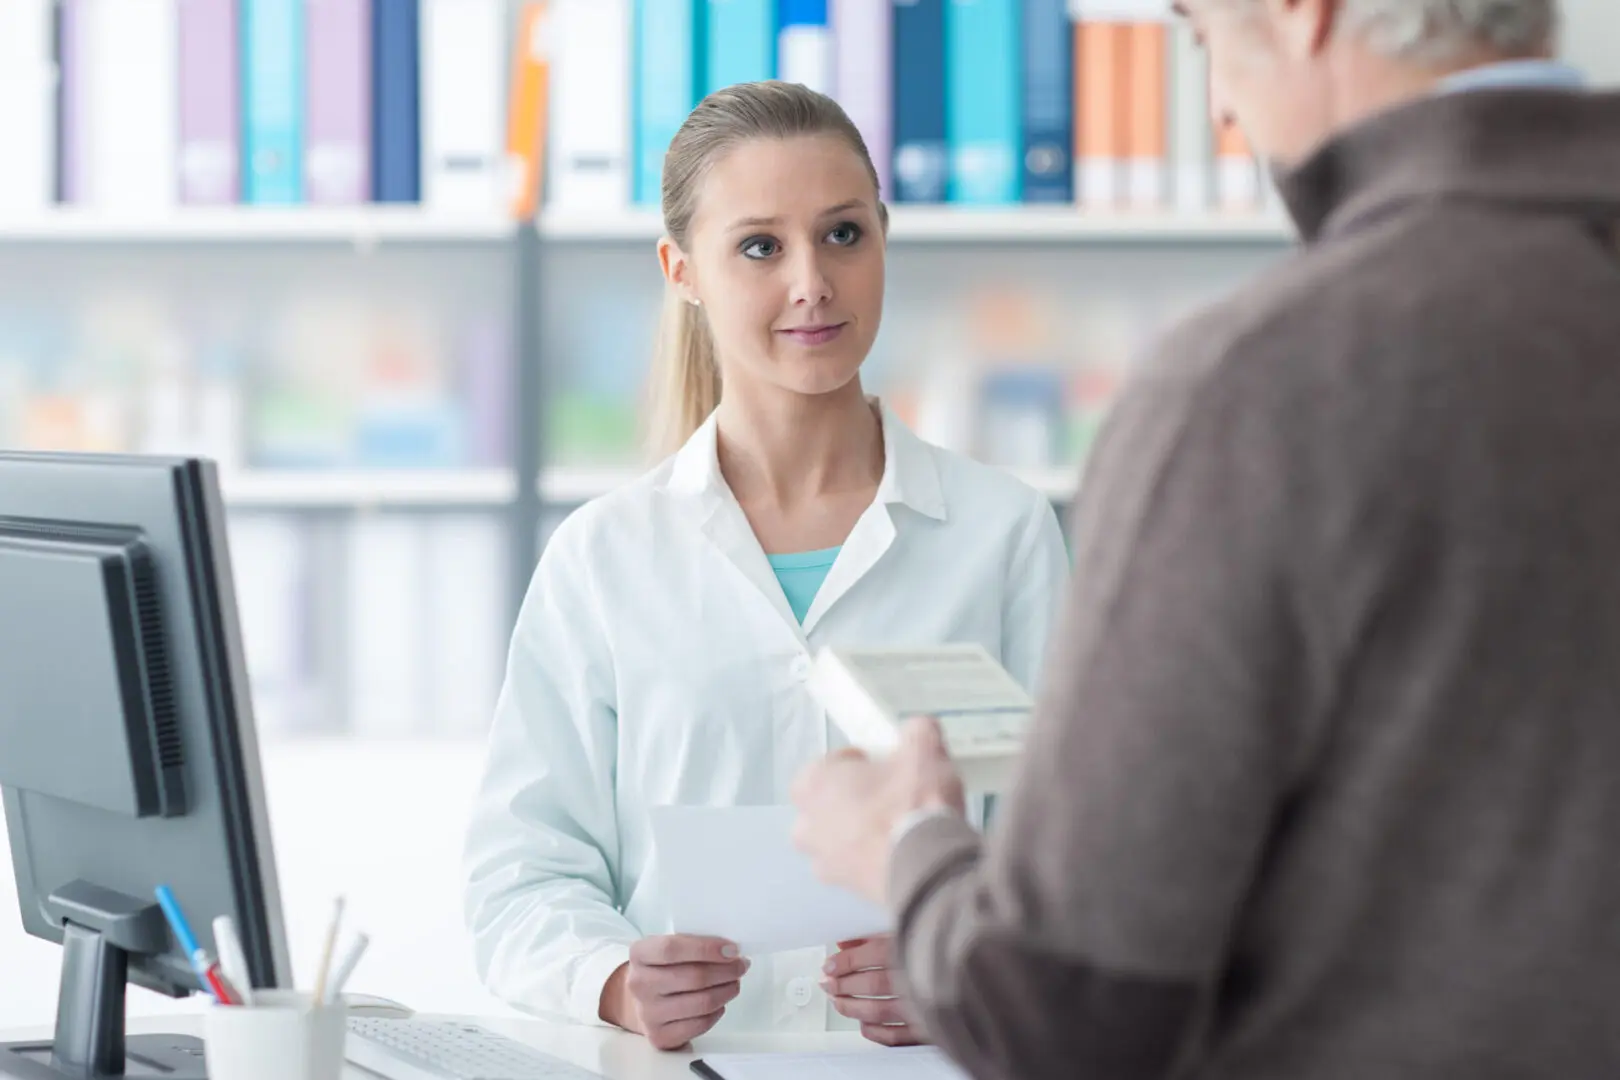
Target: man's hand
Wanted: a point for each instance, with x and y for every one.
(849, 806)
(859, 983)
(674, 988)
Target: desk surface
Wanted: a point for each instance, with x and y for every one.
(616, 1055)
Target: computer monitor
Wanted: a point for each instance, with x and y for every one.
(127, 751)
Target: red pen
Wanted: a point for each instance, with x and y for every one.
(216, 983)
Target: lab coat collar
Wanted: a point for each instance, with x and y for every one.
(910, 472)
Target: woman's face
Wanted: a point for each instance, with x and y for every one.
(786, 258)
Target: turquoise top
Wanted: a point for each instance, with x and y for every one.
(801, 576)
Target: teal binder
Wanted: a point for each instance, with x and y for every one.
(273, 101)
(984, 100)
(740, 42)
(666, 73)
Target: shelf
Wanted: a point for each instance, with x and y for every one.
(1017, 225)
(369, 488)
(570, 485)
(360, 225)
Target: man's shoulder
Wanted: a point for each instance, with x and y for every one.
(1309, 321)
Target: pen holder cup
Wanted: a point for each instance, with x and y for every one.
(284, 1035)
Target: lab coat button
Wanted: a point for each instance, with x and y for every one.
(800, 668)
(800, 991)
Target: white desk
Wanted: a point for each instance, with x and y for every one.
(616, 1055)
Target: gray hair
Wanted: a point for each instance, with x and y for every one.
(1439, 30)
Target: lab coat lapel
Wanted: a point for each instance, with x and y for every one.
(728, 529)
(696, 475)
(867, 543)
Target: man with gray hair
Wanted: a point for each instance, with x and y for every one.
(1325, 779)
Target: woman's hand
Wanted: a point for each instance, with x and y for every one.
(674, 988)
(858, 980)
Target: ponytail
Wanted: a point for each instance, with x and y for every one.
(685, 376)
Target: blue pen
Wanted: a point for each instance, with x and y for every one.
(206, 970)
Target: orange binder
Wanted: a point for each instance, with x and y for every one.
(526, 110)
(1147, 147)
(1100, 112)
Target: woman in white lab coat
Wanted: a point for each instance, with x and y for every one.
(661, 653)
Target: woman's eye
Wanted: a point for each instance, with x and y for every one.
(846, 234)
(760, 248)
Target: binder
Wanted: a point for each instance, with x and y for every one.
(337, 161)
(273, 101)
(1147, 132)
(27, 105)
(590, 117)
(396, 153)
(666, 85)
(1192, 138)
(526, 109)
(741, 42)
(863, 80)
(210, 139)
(463, 114)
(1048, 123)
(1100, 68)
(921, 153)
(984, 109)
(125, 67)
(804, 48)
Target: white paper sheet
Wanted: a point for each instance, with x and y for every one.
(910, 1063)
(733, 872)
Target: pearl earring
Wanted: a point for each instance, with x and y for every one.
(695, 302)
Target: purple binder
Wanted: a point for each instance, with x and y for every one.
(70, 102)
(862, 34)
(210, 145)
(337, 157)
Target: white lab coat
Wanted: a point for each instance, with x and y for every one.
(656, 661)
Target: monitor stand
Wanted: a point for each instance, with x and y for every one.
(102, 929)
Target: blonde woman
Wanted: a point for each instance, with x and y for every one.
(660, 655)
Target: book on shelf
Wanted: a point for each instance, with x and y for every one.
(449, 104)
(804, 45)
(969, 102)
(27, 106)
(668, 67)
(863, 80)
(527, 110)
(209, 90)
(337, 157)
(130, 108)
(590, 152)
(463, 107)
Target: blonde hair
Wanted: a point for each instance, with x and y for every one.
(685, 385)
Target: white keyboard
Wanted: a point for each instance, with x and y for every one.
(413, 1049)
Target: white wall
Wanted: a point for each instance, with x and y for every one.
(376, 821)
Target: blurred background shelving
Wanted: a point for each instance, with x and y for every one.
(391, 264)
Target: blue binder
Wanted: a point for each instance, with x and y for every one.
(983, 103)
(741, 42)
(801, 13)
(396, 130)
(272, 101)
(921, 154)
(1048, 150)
(666, 84)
